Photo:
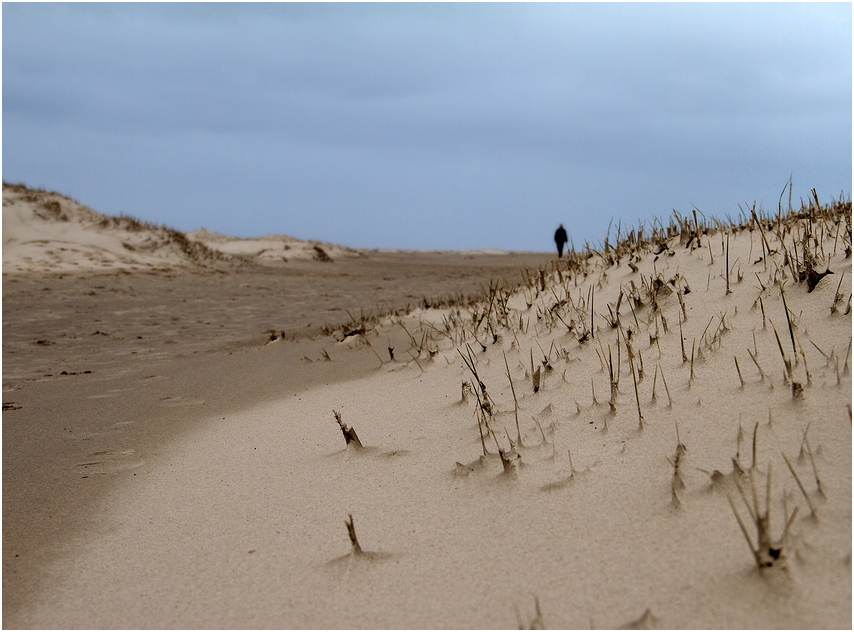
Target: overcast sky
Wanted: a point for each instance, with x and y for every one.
(427, 126)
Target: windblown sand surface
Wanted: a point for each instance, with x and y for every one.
(197, 475)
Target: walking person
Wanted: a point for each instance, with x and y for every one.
(560, 240)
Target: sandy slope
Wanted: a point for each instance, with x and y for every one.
(46, 231)
(105, 365)
(596, 514)
(272, 248)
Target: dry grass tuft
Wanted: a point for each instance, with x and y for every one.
(350, 435)
(321, 255)
(767, 552)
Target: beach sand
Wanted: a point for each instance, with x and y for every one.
(170, 459)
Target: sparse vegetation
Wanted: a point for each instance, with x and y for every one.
(350, 435)
(640, 283)
(767, 551)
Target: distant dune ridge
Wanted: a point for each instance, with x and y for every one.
(271, 248)
(48, 231)
(655, 432)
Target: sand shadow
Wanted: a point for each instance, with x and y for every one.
(355, 451)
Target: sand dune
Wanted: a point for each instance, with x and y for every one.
(656, 434)
(272, 248)
(46, 231)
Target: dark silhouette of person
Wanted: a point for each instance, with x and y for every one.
(560, 240)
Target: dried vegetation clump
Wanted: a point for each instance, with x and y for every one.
(350, 435)
(195, 251)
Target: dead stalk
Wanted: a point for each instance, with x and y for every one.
(740, 378)
(800, 486)
(515, 401)
(351, 531)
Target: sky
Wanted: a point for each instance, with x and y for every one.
(439, 126)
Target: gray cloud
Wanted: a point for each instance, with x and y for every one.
(425, 125)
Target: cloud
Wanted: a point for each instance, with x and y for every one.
(355, 115)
